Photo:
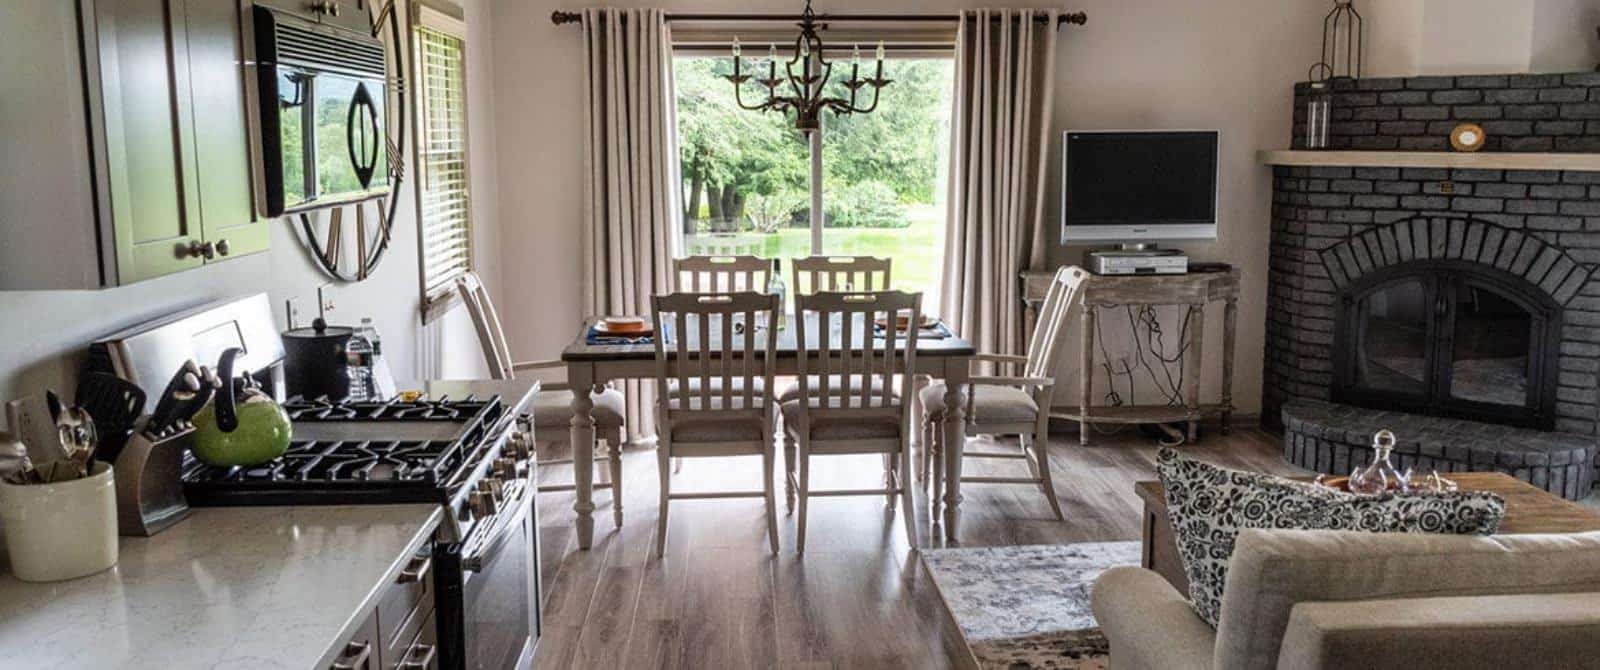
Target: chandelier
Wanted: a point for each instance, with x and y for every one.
(805, 87)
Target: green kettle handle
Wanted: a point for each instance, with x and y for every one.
(227, 414)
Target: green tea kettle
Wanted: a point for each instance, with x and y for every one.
(242, 426)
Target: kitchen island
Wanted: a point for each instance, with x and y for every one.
(228, 587)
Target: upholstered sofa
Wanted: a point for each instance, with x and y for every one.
(1322, 599)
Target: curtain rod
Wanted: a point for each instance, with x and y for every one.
(1076, 18)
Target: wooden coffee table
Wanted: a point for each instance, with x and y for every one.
(1529, 509)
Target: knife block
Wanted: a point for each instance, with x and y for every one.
(150, 483)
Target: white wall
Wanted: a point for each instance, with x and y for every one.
(43, 334)
(1453, 37)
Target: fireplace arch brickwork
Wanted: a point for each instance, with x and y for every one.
(1331, 226)
(1454, 238)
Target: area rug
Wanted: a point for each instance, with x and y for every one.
(1028, 607)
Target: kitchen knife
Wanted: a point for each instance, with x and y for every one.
(190, 406)
(185, 380)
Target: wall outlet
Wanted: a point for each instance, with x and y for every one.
(1447, 188)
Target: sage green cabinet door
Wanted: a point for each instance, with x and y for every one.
(221, 130)
(143, 67)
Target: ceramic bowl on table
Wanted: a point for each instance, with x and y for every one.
(62, 530)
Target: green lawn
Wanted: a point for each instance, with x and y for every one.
(917, 249)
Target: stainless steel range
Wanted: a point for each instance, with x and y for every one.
(470, 454)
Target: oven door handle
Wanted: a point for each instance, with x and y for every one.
(506, 527)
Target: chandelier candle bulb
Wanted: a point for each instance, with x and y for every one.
(855, 56)
(736, 46)
(880, 52)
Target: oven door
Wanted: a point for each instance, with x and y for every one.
(499, 593)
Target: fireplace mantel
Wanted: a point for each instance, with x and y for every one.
(1576, 162)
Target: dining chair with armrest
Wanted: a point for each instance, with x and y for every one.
(551, 410)
(1011, 404)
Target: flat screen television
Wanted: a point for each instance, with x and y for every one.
(1138, 186)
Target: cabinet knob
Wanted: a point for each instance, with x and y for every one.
(222, 247)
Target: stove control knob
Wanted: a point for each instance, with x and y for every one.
(482, 503)
(491, 487)
(506, 468)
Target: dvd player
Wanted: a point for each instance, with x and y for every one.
(1137, 262)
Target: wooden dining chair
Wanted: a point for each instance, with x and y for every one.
(722, 274)
(814, 274)
(846, 403)
(714, 337)
(1018, 404)
(551, 410)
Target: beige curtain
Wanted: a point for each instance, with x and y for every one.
(631, 159)
(1005, 74)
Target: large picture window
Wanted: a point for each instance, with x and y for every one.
(747, 182)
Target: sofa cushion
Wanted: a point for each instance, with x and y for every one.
(1549, 630)
(1273, 572)
(1149, 624)
(1209, 505)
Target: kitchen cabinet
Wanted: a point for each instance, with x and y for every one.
(128, 141)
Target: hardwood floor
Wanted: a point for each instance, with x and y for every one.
(858, 598)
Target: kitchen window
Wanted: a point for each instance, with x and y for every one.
(444, 213)
(746, 178)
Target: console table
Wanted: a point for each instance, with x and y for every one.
(1194, 291)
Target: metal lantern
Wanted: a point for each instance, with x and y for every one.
(1344, 17)
(1319, 106)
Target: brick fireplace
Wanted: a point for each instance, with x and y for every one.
(1468, 293)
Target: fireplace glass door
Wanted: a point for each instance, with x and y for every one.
(1449, 341)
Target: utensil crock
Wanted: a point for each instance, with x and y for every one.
(63, 530)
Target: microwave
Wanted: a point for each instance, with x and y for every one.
(321, 95)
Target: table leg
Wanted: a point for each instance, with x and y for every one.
(1230, 327)
(954, 442)
(1086, 374)
(581, 378)
(1191, 367)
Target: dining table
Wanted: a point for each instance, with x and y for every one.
(593, 364)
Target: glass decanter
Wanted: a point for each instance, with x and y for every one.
(1381, 475)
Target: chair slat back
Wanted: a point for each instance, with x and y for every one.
(1061, 302)
(848, 363)
(491, 337)
(844, 274)
(726, 337)
(722, 274)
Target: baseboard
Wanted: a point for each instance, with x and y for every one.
(1237, 420)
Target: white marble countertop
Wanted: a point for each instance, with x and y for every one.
(238, 588)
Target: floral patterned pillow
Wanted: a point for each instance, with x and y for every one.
(1209, 505)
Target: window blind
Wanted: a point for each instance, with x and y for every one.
(443, 208)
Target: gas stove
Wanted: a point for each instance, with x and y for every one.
(443, 451)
